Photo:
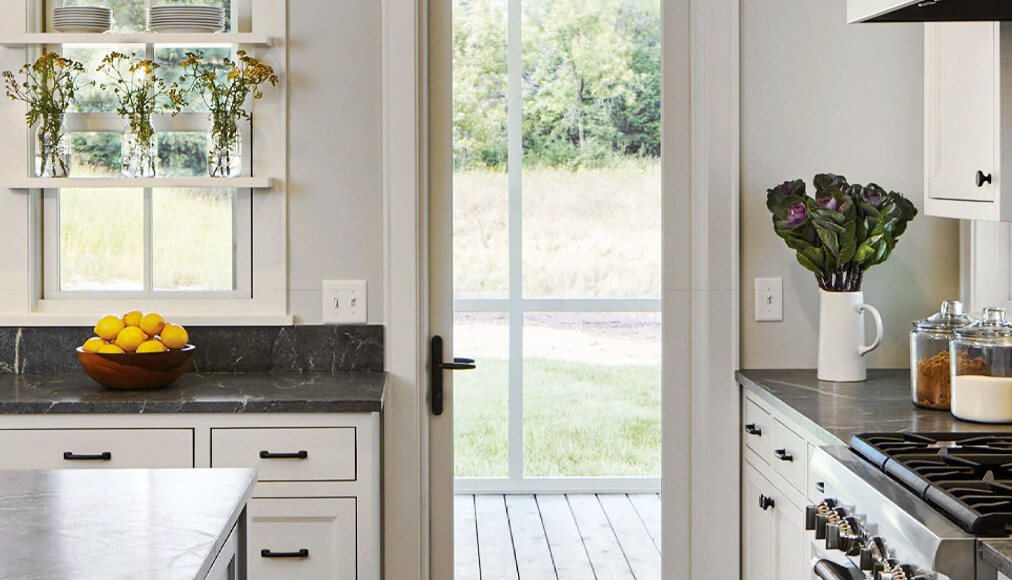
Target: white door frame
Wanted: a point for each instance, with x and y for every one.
(700, 291)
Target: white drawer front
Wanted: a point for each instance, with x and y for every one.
(299, 454)
(308, 539)
(757, 430)
(96, 448)
(790, 456)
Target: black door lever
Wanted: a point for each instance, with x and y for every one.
(436, 368)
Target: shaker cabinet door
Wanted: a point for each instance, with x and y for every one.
(304, 538)
(758, 543)
(961, 112)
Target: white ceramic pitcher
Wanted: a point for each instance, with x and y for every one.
(841, 336)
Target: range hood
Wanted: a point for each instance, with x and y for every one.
(927, 10)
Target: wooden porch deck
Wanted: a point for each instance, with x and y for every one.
(558, 537)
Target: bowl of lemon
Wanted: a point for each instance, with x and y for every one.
(136, 351)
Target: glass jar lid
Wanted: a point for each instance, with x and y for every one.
(949, 318)
(992, 329)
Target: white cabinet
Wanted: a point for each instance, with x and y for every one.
(318, 476)
(306, 538)
(968, 120)
(774, 491)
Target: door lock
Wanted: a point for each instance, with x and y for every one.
(436, 368)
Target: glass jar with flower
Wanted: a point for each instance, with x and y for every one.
(225, 86)
(140, 93)
(47, 86)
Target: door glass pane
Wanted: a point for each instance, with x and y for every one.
(481, 396)
(592, 394)
(101, 239)
(193, 239)
(480, 195)
(591, 138)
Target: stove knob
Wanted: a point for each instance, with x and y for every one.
(821, 520)
(832, 536)
(810, 513)
(867, 560)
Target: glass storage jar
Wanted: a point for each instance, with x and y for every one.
(981, 364)
(929, 355)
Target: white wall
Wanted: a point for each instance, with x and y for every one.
(335, 187)
(819, 95)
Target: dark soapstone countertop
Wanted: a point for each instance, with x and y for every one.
(346, 392)
(834, 412)
(102, 524)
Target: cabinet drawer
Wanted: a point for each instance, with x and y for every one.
(308, 539)
(789, 457)
(756, 430)
(96, 448)
(300, 454)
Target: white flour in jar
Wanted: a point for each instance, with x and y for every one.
(982, 399)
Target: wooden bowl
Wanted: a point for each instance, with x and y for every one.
(149, 370)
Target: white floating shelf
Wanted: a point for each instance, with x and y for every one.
(190, 38)
(126, 182)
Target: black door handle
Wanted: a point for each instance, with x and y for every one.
(103, 456)
(303, 553)
(298, 455)
(751, 429)
(436, 368)
(982, 178)
(766, 502)
(783, 455)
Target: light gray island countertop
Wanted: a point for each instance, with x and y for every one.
(96, 524)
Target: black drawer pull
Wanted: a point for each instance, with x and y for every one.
(783, 455)
(268, 455)
(303, 553)
(103, 456)
(751, 429)
(820, 486)
(766, 502)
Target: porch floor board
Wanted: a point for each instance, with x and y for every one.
(557, 537)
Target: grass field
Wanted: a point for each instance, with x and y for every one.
(579, 420)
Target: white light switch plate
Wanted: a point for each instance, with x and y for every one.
(769, 299)
(344, 302)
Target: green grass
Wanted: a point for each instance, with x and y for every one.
(579, 420)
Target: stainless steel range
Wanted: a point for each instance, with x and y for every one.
(903, 506)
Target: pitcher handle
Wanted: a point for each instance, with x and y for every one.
(861, 309)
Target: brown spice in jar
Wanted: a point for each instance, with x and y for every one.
(933, 381)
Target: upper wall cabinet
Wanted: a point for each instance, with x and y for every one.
(968, 120)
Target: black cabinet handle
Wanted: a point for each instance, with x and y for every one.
(783, 455)
(103, 456)
(751, 429)
(303, 553)
(982, 178)
(298, 455)
(766, 502)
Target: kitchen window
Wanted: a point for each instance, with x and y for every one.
(208, 251)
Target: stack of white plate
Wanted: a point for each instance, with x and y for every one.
(82, 19)
(186, 19)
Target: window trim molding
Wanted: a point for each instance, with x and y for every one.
(20, 277)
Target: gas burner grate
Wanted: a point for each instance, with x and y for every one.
(966, 475)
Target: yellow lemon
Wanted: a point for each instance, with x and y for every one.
(110, 349)
(93, 344)
(109, 327)
(130, 338)
(152, 324)
(133, 318)
(174, 336)
(151, 346)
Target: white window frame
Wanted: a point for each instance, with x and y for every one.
(261, 295)
(516, 305)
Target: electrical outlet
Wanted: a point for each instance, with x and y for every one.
(344, 302)
(769, 299)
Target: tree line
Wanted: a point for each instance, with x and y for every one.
(591, 82)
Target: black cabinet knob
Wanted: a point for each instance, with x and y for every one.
(983, 178)
(766, 502)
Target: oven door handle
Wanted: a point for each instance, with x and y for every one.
(828, 570)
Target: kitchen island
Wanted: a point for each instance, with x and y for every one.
(167, 524)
